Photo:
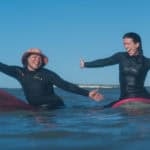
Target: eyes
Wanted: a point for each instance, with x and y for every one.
(35, 57)
(127, 43)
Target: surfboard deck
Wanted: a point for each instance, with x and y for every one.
(136, 102)
(10, 102)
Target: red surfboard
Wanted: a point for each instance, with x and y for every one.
(130, 102)
(10, 102)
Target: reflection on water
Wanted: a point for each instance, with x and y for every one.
(81, 125)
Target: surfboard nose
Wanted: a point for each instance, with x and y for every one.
(9, 102)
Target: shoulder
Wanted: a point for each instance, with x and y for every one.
(17, 68)
(146, 62)
(47, 72)
(146, 59)
(119, 55)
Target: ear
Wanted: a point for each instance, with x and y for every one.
(137, 45)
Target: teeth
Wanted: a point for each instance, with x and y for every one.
(128, 50)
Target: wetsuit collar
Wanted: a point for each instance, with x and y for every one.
(134, 56)
(138, 58)
(29, 71)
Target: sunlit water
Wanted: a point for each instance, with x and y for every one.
(81, 125)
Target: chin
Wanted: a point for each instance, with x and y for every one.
(36, 67)
(131, 54)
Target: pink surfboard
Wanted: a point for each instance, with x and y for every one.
(136, 100)
(10, 102)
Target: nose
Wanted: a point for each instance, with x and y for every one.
(38, 58)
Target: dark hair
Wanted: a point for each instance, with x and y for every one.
(136, 39)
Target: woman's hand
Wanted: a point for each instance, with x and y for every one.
(82, 63)
(95, 95)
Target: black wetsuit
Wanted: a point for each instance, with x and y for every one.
(38, 85)
(132, 73)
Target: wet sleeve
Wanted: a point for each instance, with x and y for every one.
(148, 63)
(65, 85)
(12, 71)
(114, 59)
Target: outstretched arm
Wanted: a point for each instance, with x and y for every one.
(9, 70)
(114, 59)
(59, 82)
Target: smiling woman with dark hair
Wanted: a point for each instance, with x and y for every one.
(133, 67)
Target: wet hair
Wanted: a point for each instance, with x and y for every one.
(136, 39)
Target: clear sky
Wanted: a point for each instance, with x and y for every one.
(69, 29)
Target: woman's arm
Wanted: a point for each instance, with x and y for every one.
(59, 82)
(10, 70)
(114, 59)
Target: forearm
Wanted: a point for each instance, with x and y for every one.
(99, 63)
(103, 62)
(96, 63)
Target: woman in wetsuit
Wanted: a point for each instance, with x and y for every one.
(133, 67)
(37, 82)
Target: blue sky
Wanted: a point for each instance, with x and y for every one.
(69, 29)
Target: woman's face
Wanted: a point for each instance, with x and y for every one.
(131, 46)
(34, 62)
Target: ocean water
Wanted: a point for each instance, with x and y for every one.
(82, 124)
